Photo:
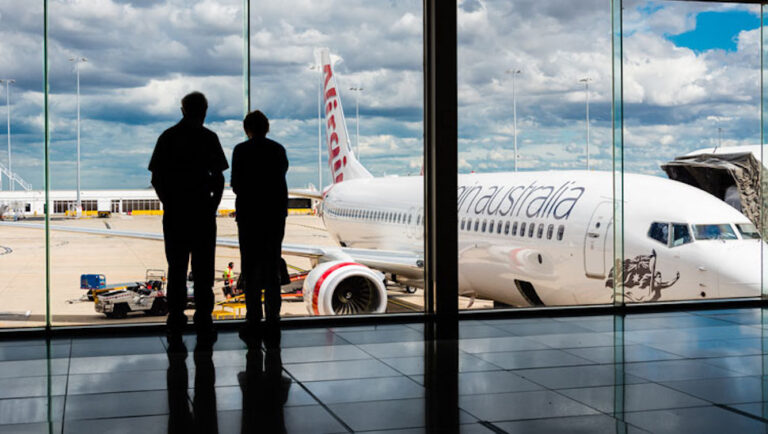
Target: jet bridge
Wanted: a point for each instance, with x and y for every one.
(737, 178)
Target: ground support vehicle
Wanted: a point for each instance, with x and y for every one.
(117, 300)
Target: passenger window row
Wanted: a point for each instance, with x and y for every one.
(520, 229)
(380, 216)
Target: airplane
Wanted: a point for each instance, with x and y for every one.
(538, 238)
(543, 238)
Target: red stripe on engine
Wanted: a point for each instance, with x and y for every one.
(320, 281)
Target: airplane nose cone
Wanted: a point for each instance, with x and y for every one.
(743, 270)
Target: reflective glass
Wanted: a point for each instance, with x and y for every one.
(341, 83)
(691, 149)
(22, 166)
(714, 232)
(118, 71)
(534, 124)
(748, 231)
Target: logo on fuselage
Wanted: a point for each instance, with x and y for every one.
(528, 201)
(336, 160)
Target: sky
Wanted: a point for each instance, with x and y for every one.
(689, 70)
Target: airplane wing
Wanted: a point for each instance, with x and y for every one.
(309, 193)
(402, 263)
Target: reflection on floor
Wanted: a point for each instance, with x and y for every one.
(673, 372)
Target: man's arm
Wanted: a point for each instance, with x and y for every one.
(217, 175)
(284, 163)
(234, 181)
(218, 188)
(157, 165)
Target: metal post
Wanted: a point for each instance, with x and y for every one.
(78, 204)
(763, 137)
(440, 164)
(357, 121)
(46, 153)
(514, 113)
(246, 56)
(320, 129)
(586, 81)
(441, 218)
(357, 91)
(587, 86)
(617, 122)
(514, 73)
(719, 137)
(8, 107)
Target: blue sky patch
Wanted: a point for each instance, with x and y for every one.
(716, 30)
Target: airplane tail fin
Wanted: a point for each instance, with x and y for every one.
(343, 163)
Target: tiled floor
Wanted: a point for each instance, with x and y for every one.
(695, 372)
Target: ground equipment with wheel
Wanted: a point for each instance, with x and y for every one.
(118, 300)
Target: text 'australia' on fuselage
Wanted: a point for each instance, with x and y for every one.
(546, 238)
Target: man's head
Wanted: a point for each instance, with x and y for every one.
(256, 124)
(231, 265)
(194, 106)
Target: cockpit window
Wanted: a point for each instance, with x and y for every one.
(748, 231)
(659, 232)
(680, 234)
(714, 232)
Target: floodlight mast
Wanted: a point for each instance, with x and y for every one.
(586, 81)
(357, 91)
(77, 61)
(8, 82)
(514, 73)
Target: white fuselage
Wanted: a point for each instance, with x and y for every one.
(564, 254)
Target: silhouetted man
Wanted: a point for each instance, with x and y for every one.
(258, 179)
(187, 167)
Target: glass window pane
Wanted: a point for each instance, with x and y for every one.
(22, 174)
(680, 235)
(748, 231)
(359, 105)
(692, 109)
(126, 66)
(659, 232)
(714, 232)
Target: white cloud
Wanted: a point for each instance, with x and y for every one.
(143, 56)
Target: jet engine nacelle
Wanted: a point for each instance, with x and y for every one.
(344, 288)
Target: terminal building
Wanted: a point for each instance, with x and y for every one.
(23, 204)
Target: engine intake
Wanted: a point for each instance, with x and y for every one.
(344, 288)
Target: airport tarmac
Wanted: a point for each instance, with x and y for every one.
(23, 281)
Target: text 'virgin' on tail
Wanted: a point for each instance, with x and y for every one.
(342, 161)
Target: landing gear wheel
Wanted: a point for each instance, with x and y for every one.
(120, 312)
(409, 290)
(159, 308)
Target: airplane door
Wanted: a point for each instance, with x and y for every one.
(595, 240)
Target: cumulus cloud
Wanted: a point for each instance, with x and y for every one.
(144, 55)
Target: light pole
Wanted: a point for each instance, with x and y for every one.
(514, 73)
(719, 138)
(319, 69)
(77, 61)
(8, 82)
(357, 91)
(586, 81)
